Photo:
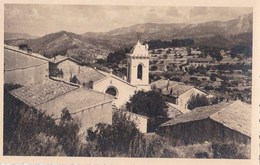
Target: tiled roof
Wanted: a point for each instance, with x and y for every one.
(76, 101)
(237, 117)
(173, 87)
(89, 74)
(234, 115)
(179, 89)
(175, 110)
(161, 84)
(59, 58)
(36, 94)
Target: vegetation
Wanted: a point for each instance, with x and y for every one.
(155, 44)
(30, 132)
(200, 101)
(150, 104)
(113, 140)
(246, 51)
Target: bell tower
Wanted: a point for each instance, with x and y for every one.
(138, 66)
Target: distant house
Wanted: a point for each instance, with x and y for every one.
(21, 67)
(64, 67)
(195, 62)
(226, 122)
(176, 92)
(52, 97)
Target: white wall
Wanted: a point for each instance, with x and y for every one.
(69, 69)
(125, 91)
(134, 62)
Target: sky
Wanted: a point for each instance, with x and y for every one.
(39, 19)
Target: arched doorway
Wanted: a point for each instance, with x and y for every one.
(112, 91)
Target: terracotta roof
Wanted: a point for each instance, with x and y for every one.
(89, 74)
(76, 101)
(37, 94)
(234, 115)
(237, 117)
(53, 96)
(177, 88)
(161, 84)
(59, 58)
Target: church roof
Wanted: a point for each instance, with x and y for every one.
(59, 58)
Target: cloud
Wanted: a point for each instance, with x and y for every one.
(43, 19)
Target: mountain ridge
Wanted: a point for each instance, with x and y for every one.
(92, 45)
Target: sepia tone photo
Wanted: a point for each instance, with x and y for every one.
(127, 81)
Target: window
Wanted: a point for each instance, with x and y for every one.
(140, 71)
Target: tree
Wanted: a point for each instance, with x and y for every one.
(149, 104)
(153, 67)
(111, 140)
(240, 49)
(198, 101)
(213, 77)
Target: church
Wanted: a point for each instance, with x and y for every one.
(137, 77)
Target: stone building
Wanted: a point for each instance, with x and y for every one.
(176, 92)
(64, 67)
(51, 96)
(226, 122)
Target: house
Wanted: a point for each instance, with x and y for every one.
(23, 67)
(176, 92)
(64, 67)
(226, 122)
(51, 96)
(195, 62)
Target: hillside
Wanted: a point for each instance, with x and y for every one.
(153, 31)
(66, 43)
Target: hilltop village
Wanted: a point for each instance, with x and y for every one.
(176, 95)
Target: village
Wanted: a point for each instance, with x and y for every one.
(176, 94)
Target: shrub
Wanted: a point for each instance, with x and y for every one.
(198, 101)
(228, 151)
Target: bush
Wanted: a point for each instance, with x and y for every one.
(228, 151)
(198, 101)
(113, 140)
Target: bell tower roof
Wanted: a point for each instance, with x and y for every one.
(139, 50)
